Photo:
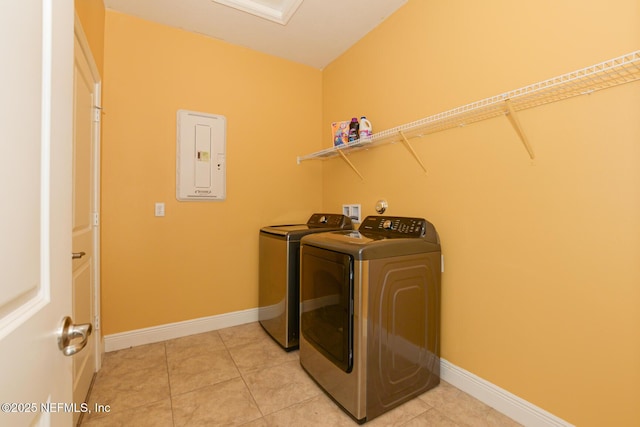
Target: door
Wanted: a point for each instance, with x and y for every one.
(86, 116)
(326, 303)
(36, 82)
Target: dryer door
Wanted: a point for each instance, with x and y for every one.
(326, 306)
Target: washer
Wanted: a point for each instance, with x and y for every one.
(278, 297)
(370, 313)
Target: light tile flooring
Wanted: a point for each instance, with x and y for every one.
(240, 376)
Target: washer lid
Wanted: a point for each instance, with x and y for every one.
(317, 223)
(285, 228)
(288, 231)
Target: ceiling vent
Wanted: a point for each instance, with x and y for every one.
(279, 11)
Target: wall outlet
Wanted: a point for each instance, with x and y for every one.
(353, 212)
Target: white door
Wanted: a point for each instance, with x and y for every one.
(85, 207)
(36, 83)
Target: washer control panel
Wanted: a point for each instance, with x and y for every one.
(329, 221)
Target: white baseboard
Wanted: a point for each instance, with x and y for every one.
(170, 331)
(501, 400)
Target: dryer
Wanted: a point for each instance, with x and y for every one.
(370, 313)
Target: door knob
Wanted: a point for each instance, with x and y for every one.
(77, 255)
(68, 331)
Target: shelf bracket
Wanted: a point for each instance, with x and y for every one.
(412, 151)
(513, 119)
(344, 157)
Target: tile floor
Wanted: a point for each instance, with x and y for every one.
(240, 377)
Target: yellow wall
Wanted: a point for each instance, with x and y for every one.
(91, 14)
(201, 259)
(541, 290)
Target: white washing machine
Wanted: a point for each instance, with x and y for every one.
(370, 313)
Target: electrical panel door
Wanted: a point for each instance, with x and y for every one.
(200, 156)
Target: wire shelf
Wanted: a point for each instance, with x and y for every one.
(614, 72)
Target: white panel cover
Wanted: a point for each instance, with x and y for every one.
(200, 156)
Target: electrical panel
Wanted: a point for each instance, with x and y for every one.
(200, 156)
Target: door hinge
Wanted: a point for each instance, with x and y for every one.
(96, 219)
(96, 114)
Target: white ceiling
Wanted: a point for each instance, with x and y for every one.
(318, 32)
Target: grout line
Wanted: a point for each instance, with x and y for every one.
(166, 363)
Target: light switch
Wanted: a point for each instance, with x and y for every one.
(160, 209)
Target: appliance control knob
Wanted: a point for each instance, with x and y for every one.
(387, 224)
(323, 219)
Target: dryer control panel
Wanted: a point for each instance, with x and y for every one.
(399, 227)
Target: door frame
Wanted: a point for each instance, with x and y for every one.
(95, 74)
